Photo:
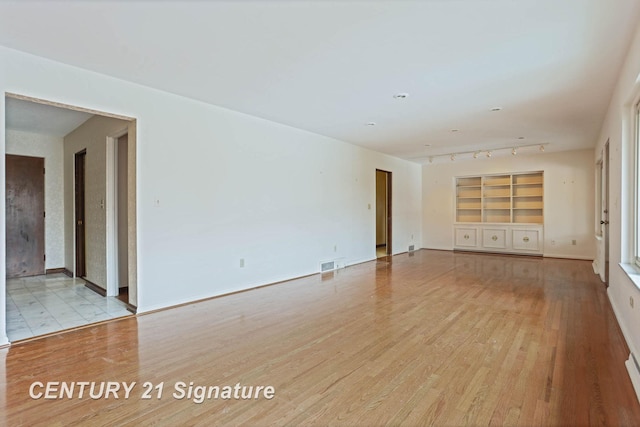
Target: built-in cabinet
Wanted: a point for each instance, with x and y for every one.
(500, 213)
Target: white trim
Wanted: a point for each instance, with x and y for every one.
(634, 375)
(111, 212)
(632, 370)
(568, 256)
(623, 327)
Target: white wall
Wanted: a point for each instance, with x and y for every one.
(618, 129)
(92, 137)
(50, 147)
(568, 198)
(215, 186)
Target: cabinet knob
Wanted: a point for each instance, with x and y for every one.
(525, 239)
(494, 238)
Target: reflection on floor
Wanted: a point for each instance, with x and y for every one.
(381, 251)
(43, 304)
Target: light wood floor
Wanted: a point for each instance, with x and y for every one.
(429, 338)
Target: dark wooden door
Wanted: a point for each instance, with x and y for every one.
(80, 168)
(24, 215)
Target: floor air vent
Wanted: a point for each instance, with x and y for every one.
(327, 266)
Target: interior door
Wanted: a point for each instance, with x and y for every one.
(605, 210)
(24, 216)
(80, 168)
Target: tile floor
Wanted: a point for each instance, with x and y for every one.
(43, 304)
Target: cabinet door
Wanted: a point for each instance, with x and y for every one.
(494, 238)
(526, 240)
(466, 237)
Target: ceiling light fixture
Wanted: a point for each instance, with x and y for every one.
(401, 95)
(458, 155)
(521, 137)
(494, 109)
(371, 123)
(455, 130)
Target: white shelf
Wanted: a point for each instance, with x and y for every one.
(500, 213)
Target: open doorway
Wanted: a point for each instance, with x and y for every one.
(383, 213)
(85, 187)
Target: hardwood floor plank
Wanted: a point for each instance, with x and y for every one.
(429, 338)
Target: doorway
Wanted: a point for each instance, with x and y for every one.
(25, 249)
(383, 213)
(71, 141)
(79, 185)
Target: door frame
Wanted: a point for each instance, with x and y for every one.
(112, 211)
(601, 264)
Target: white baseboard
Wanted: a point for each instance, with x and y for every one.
(438, 248)
(630, 364)
(623, 327)
(568, 256)
(634, 374)
(594, 265)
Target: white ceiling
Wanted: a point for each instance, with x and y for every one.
(40, 118)
(332, 66)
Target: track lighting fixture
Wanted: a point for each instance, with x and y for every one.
(489, 153)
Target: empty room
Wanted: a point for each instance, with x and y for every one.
(320, 212)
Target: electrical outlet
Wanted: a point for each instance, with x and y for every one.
(631, 301)
(574, 242)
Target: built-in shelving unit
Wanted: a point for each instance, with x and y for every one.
(527, 200)
(500, 213)
(469, 199)
(508, 198)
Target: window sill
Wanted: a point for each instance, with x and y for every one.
(633, 272)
